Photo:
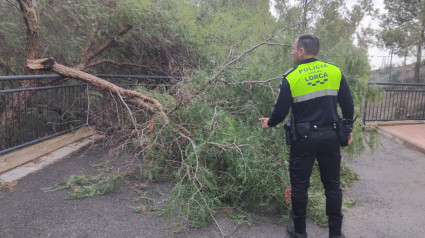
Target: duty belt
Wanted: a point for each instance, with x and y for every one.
(315, 127)
(303, 129)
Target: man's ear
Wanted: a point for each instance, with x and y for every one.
(301, 52)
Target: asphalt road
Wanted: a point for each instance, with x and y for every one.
(390, 203)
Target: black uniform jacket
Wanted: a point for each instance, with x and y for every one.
(321, 111)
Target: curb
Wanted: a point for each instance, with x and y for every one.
(43, 161)
(399, 138)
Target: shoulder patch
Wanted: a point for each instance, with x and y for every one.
(289, 71)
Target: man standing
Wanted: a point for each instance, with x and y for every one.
(313, 89)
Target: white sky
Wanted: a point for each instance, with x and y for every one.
(378, 58)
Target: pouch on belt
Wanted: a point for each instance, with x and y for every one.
(303, 129)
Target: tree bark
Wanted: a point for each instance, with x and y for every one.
(304, 18)
(133, 97)
(419, 58)
(33, 31)
(33, 47)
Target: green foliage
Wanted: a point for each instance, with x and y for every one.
(87, 186)
(233, 162)
(12, 40)
(213, 146)
(402, 23)
(229, 163)
(152, 42)
(160, 94)
(149, 203)
(403, 26)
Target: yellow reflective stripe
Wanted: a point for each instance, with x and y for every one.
(313, 95)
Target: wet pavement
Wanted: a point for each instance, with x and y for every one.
(390, 199)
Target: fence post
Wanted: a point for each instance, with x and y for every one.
(365, 105)
(87, 104)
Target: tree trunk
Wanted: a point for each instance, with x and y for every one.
(418, 64)
(33, 47)
(405, 58)
(33, 31)
(419, 58)
(304, 20)
(133, 97)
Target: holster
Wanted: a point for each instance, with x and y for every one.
(290, 131)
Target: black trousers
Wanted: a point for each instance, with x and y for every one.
(323, 145)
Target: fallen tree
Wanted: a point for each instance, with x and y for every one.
(213, 148)
(133, 97)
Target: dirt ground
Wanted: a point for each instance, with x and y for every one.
(390, 203)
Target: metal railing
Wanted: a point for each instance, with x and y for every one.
(30, 115)
(399, 102)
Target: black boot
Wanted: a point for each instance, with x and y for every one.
(340, 236)
(291, 232)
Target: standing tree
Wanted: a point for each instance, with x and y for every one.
(403, 27)
(333, 18)
(300, 14)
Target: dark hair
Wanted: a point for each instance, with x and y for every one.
(310, 43)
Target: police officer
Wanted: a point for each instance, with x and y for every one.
(313, 89)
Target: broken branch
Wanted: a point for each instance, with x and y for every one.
(133, 97)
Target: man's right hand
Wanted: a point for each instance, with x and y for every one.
(350, 137)
(265, 120)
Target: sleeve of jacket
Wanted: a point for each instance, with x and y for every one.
(345, 100)
(283, 103)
